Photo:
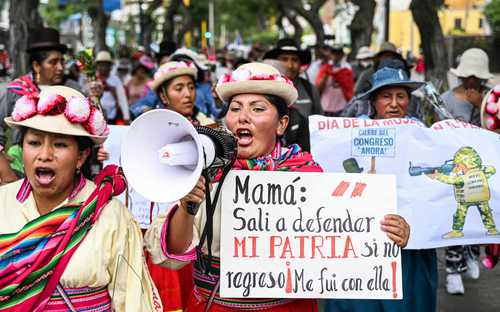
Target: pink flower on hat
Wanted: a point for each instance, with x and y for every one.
(96, 124)
(492, 109)
(25, 108)
(52, 104)
(77, 109)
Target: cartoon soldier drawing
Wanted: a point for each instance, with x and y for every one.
(470, 181)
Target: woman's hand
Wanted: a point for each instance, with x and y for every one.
(196, 196)
(396, 228)
(102, 154)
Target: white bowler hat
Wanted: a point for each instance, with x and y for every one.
(171, 70)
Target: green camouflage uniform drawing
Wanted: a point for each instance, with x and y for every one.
(470, 182)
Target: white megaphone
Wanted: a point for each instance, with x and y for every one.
(163, 155)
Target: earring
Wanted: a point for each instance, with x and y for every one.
(37, 77)
(78, 171)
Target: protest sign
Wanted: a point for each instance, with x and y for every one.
(308, 235)
(139, 206)
(448, 188)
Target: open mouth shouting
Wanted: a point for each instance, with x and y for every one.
(44, 175)
(245, 137)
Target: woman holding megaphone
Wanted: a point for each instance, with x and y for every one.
(258, 98)
(65, 243)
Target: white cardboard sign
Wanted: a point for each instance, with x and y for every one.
(308, 235)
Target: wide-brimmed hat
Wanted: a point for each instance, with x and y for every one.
(171, 70)
(104, 56)
(474, 62)
(364, 53)
(288, 45)
(43, 39)
(388, 76)
(256, 78)
(185, 54)
(388, 47)
(59, 109)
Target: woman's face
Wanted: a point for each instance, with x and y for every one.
(256, 124)
(50, 162)
(51, 70)
(391, 102)
(179, 95)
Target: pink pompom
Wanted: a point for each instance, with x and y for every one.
(96, 124)
(492, 98)
(491, 122)
(25, 108)
(51, 104)
(491, 108)
(77, 109)
(496, 90)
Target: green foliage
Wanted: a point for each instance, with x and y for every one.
(266, 38)
(86, 63)
(492, 12)
(53, 14)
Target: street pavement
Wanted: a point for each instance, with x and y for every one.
(482, 295)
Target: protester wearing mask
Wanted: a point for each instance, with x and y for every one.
(364, 60)
(46, 60)
(464, 103)
(335, 82)
(390, 98)
(67, 244)
(113, 100)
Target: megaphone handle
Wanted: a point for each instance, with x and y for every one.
(192, 208)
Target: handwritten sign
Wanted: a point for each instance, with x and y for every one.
(139, 206)
(308, 235)
(448, 176)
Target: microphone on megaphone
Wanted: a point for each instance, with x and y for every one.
(163, 154)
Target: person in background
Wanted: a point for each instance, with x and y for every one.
(4, 63)
(151, 100)
(308, 103)
(123, 70)
(335, 81)
(390, 98)
(46, 61)
(364, 61)
(387, 51)
(205, 101)
(320, 59)
(137, 87)
(464, 103)
(114, 100)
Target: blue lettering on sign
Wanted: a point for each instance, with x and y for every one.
(378, 142)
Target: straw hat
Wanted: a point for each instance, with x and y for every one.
(474, 62)
(104, 56)
(171, 70)
(364, 53)
(59, 109)
(256, 78)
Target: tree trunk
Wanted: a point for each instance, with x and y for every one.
(148, 25)
(169, 25)
(186, 26)
(362, 25)
(291, 16)
(311, 16)
(99, 22)
(23, 16)
(425, 14)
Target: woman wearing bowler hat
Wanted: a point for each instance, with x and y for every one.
(46, 61)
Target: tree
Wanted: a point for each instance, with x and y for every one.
(362, 25)
(23, 16)
(425, 14)
(492, 12)
(310, 14)
(148, 25)
(99, 23)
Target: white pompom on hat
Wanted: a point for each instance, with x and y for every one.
(256, 78)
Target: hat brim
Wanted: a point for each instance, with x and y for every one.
(47, 46)
(399, 55)
(466, 73)
(281, 89)
(304, 55)
(172, 74)
(411, 85)
(54, 124)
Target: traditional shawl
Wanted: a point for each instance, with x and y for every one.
(23, 85)
(33, 260)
